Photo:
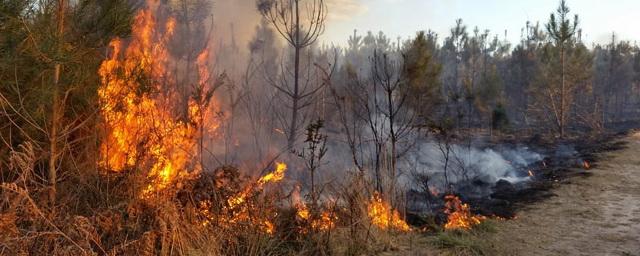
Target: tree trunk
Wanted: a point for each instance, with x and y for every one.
(562, 93)
(293, 133)
(55, 111)
(394, 141)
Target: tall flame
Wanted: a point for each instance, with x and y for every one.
(383, 216)
(460, 216)
(137, 96)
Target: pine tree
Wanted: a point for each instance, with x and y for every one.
(562, 31)
(423, 74)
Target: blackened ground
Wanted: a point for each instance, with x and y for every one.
(594, 212)
(565, 160)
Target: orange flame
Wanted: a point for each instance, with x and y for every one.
(274, 177)
(460, 216)
(136, 100)
(238, 209)
(326, 221)
(383, 216)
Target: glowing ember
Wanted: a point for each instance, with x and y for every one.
(269, 228)
(136, 102)
(434, 191)
(302, 211)
(460, 216)
(382, 215)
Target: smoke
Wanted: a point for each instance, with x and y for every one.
(458, 164)
(341, 10)
(234, 22)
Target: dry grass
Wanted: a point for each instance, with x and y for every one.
(102, 213)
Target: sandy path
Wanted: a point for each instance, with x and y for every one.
(598, 215)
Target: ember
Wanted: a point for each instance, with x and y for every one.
(434, 191)
(460, 216)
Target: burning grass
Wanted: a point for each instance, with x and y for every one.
(384, 216)
(459, 214)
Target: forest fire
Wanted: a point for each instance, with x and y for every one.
(273, 177)
(324, 222)
(383, 216)
(460, 216)
(239, 209)
(141, 127)
(153, 127)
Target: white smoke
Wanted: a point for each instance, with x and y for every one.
(469, 164)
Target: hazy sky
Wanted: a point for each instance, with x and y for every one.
(599, 18)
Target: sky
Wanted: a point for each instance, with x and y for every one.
(402, 18)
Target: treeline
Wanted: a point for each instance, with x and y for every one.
(361, 108)
(550, 82)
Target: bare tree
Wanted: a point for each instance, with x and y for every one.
(301, 29)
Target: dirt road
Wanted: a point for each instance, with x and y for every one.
(598, 215)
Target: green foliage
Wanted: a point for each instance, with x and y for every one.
(423, 74)
(460, 242)
(499, 118)
(30, 49)
(560, 28)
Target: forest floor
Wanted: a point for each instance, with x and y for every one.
(596, 214)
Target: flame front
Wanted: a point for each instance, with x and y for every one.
(137, 97)
(460, 216)
(273, 177)
(383, 216)
(324, 222)
(238, 208)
